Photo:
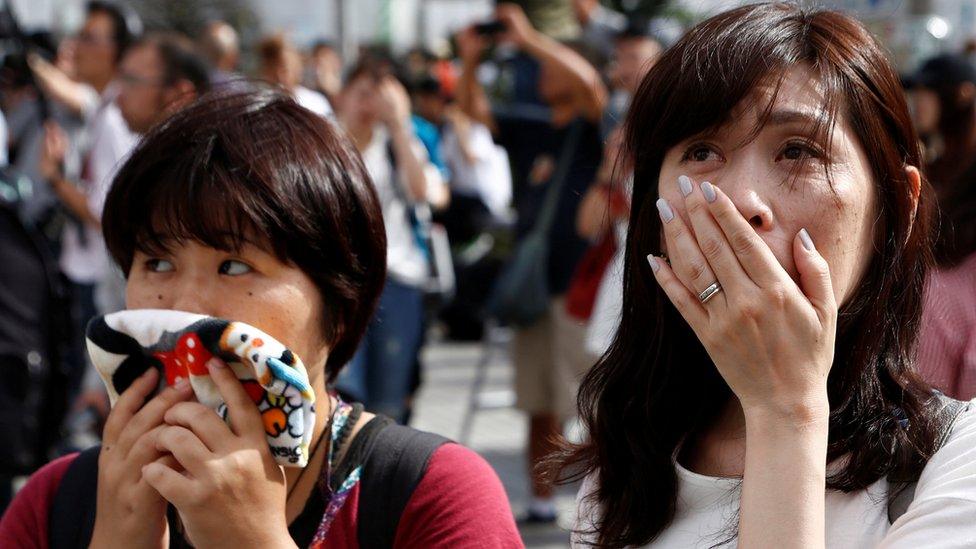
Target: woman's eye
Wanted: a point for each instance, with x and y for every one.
(157, 265)
(798, 151)
(234, 268)
(699, 153)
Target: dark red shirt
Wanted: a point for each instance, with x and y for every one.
(459, 503)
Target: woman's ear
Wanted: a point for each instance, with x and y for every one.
(915, 188)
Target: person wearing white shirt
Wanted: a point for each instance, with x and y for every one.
(375, 112)
(762, 389)
(107, 32)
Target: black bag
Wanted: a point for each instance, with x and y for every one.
(394, 460)
(520, 295)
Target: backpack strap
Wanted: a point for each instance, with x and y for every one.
(397, 461)
(71, 517)
(949, 410)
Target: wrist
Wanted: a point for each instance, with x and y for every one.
(801, 414)
(532, 42)
(281, 541)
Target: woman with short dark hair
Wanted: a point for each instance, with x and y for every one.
(761, 389)
(246, 206)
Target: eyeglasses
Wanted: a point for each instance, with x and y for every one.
(85, 37)
(133, 80)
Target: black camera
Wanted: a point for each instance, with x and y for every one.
(490, 28)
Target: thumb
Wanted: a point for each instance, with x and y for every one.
(814, 276)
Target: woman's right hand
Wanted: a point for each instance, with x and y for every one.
(129, 510)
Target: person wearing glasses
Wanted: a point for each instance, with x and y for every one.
(160, 74)
(100, 45)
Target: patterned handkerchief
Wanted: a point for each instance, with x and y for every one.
(125, 344)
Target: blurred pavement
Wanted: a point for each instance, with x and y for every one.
(498, 432)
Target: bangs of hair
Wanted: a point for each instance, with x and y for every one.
(203, 206)
(223, 183)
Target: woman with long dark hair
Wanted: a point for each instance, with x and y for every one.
(765, 352)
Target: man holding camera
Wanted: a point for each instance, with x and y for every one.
(551, 131)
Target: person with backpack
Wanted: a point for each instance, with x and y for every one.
(246, 206)
(761, 390)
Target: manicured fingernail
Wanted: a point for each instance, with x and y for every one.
(708, 190)
(665, 210)
(806, 240)
(655, 266)
(216, 364)
(684, 183)
(181, 384)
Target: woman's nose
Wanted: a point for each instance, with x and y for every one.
(747, 193)
(191, 294)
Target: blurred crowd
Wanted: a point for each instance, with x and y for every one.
(512, 140)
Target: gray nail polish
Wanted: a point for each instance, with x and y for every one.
(806, 240)
(655, 266)
(665, 210)
(684, 184)
(708, 190)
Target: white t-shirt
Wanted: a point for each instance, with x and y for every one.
(488, 178)
(84, 258)
(313, 101)
(942, 514)
(405, 261)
